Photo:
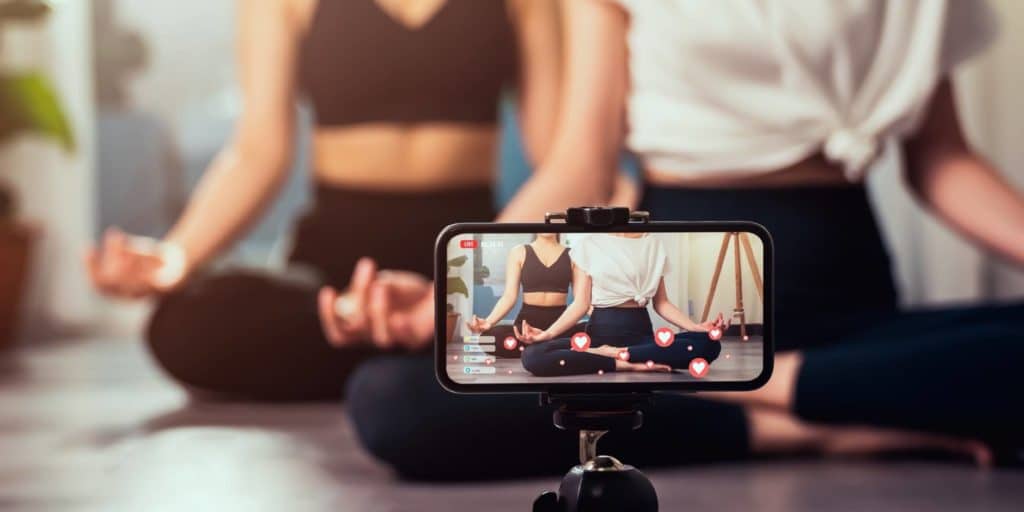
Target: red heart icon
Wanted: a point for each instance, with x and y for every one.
(664, 337)
(580, 342)
(624, 354)
(715, 334)
(510, 343)
(699, 367)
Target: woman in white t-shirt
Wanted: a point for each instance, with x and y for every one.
(618, 274)
(773, 111)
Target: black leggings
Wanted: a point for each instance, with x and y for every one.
(618, 327)
(540, 317)
(946, 371)
(256, 335)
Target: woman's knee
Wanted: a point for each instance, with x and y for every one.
(534, 359)
(710, 350)
(390, 401)
(189, 342)
(698, 344)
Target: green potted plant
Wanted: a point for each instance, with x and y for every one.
(455, 286)
(28, 105)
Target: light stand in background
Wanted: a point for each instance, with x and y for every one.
(737, 239)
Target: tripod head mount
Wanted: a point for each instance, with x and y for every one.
(600, 482)
(597, 216)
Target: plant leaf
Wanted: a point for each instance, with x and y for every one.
(23, 10)
(28, 104)
(458, 262)
(482, 273)
(457, 285)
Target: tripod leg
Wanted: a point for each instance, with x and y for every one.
(754, 269)
(739, 286)
(714, 277)
(588, 444)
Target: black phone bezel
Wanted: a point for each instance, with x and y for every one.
(591, 388)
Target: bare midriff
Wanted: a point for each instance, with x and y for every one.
(545, 299)
(812, 171)
(405, 158)
(632, 304)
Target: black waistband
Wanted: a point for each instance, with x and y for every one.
(543, 308)
(398, 229)
(470, 199)
(808, 203)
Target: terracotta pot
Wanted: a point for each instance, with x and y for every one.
(15, 249)
(452, 326)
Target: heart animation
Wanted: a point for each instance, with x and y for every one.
(580, 342)
(699, 367)
(664, 337)
(715, 334)
(510, 343)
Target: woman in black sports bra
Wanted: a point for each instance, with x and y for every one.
(545, 288)
(405, 95)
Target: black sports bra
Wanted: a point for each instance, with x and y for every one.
(538, 277)
(358, 64)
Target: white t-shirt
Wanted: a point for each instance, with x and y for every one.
(621, 268)
(723, 86)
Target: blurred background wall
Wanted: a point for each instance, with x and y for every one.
(56, 190)
(151, 92)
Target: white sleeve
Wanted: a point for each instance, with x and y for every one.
(971, 26)
(579, 253)
(661, 255)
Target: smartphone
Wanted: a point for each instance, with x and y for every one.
(585, 309)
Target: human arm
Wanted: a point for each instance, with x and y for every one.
(540, 49)
(667, 310)
(582, 164)
(513, 273)
(243, 177)
(959, 186)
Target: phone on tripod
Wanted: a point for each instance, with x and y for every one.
(599, 301)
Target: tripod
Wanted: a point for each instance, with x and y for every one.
(737, 239)
(600, 483)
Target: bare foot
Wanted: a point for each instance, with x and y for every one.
(773, 432)
(606, 350)
(626, 366)
(852, 441)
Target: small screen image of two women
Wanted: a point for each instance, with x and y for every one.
(604, 307)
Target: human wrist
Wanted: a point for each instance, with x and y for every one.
(178, 262)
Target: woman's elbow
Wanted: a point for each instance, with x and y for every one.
(660, 306)
(928, 158)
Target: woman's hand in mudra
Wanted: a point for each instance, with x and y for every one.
(719, 322)
(530, 334)
(133, 267)
(477, 325)
(390, 308)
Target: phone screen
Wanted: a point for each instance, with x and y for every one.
(542, 309)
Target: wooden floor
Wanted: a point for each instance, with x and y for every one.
(739, 361)
(92, 426)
